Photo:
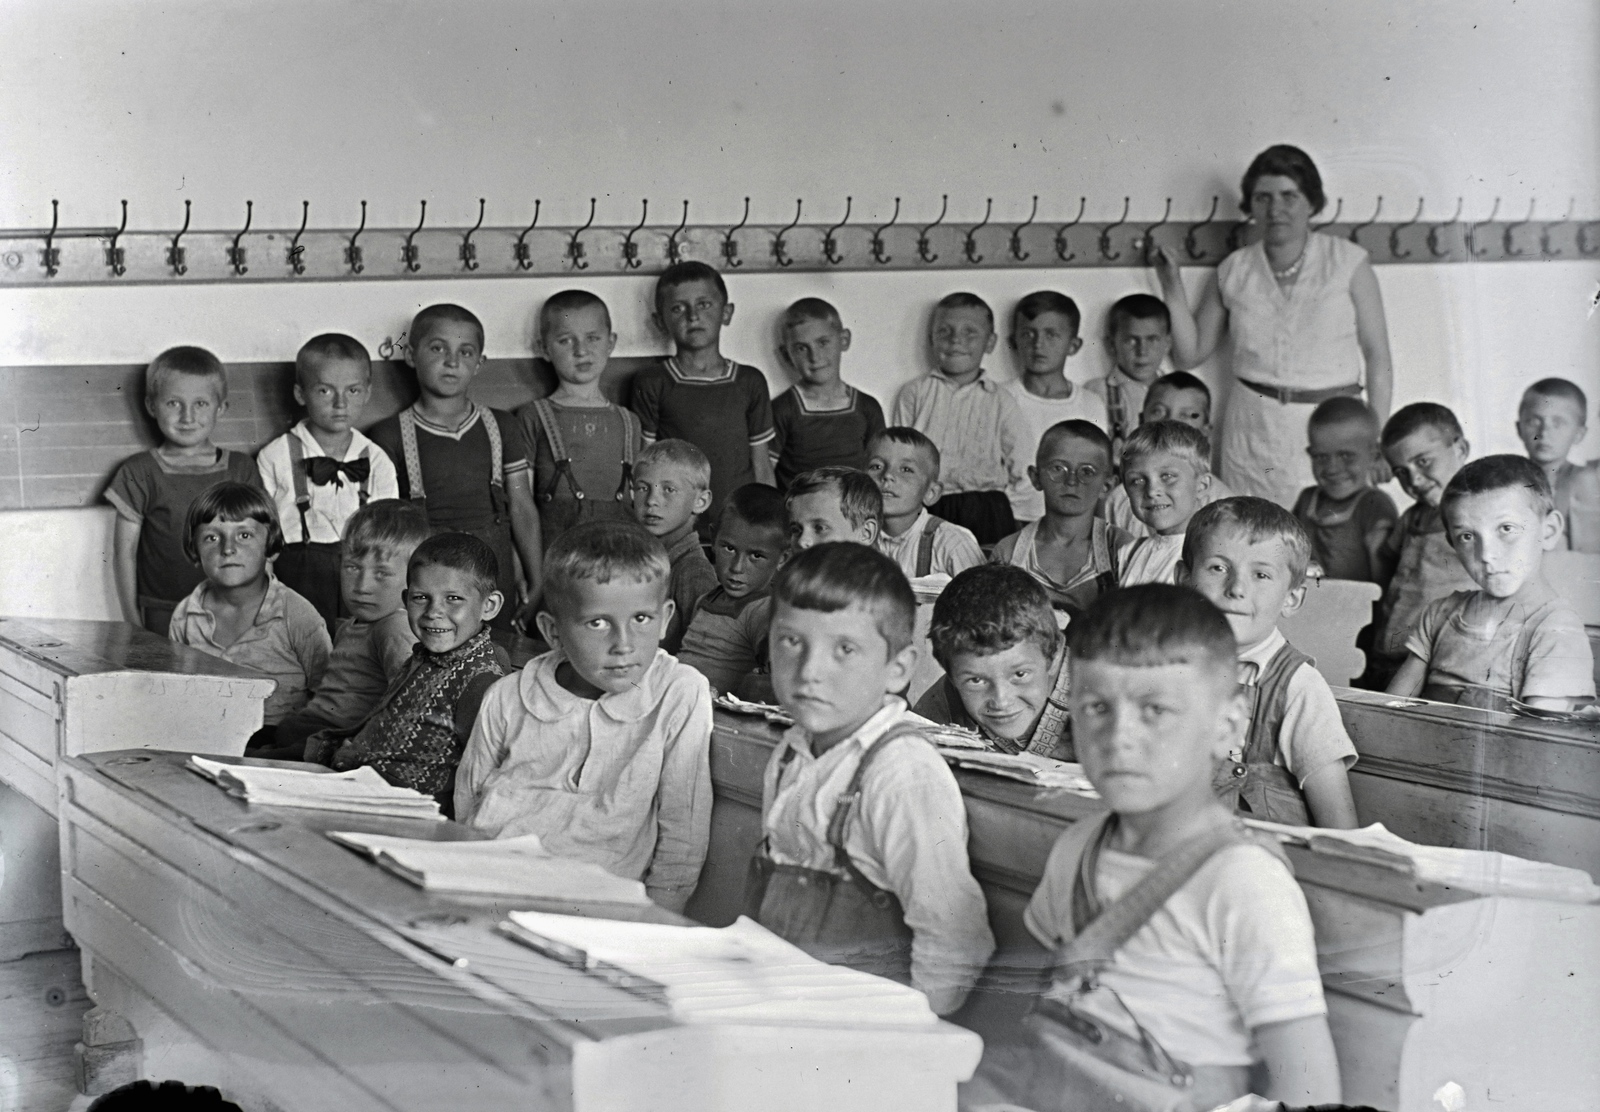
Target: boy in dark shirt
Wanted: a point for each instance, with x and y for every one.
(819, 421)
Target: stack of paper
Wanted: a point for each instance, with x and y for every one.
(772, 713)
(738, 974)
(928, 588)
(518, 868)
(360, 791)
(1041, 772)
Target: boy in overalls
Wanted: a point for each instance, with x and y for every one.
(466, 464)
(864, 861)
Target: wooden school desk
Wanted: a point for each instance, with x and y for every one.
(69, 687)
(250, 952)
(1425, 985)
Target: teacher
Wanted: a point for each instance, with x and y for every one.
(1305, 316)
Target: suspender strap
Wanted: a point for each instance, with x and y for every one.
(302, 493)
(497, 475)
(408, 450)
(845, 808)
(925, 545)
(630, 437)
(364, 492)
(546, 415)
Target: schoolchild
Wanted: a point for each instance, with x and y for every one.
(1179, 396)
(1138, 337)
(1249, 557)
(1552, 420)
(600, 746)
(1514, 637)
(466, 464)
(1166, 472)
(833, 504)
(1347, 518)
(1074, 555)
(240, 612)
(820, 421)
(324, 469)
(1005, 665)
(864, 854)
(905, 465)
(1044, 334)
(726, 638)
(416, 734)
(185, 391)
(1182, 962)
(976, 424)
(671, 490)
(582, 444)
(700, 395)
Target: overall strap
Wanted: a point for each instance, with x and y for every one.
(1268, 699)
(1100, 541)
(364, 492)
(631, 431)
(925, 545)
(497, 475)
(845, 808)
(546, 414)
(410, 456)
(302, 493)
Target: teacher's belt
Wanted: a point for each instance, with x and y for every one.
(1286, 395)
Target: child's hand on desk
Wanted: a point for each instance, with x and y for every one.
(346, 758)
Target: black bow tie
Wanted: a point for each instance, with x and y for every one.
(323, 470)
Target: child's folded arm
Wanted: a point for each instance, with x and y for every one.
(1560, 665)
(1410, 678)
(683, 800)
(488, 746)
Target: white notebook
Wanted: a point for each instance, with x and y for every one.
(360, 790)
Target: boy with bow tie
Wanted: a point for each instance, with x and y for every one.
(323, 469)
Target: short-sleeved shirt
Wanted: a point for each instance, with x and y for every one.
(1312, 734)
(1339, 530)
(1426, 569)
(726, 637)
(724, 417)
(147, 491)
(596, 441)
(805, 439)
(1537, 649)
(332, 504)
(1040, 414)
(367, 658)
(981, 434)
(954, 549)
(456, 466)
(1107, 545)
(692, 579)
(1230, 951)
(288, 642)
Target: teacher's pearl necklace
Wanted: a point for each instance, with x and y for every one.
(1292, 269)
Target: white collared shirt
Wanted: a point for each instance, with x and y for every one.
(333, 504)
(955, 549)
(981, 434)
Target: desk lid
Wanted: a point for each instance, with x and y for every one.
(72, 647)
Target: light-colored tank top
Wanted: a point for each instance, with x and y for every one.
(1305, 337)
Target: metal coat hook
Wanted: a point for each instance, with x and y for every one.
(236, 253)
(878, 255)
(1061, 233)
(575, 248)
(1355, 233)
(630, 249)
(524, 256)
(1105, 234)
(411, 253)
(1338, 207)
(1433, 232)
(970, 249)
(176, 254)
(780, 250)
(1394, 232)
(352, 253)
(1544, 236)
(1147, 239)
(830, 246)
(1472, 231)
(469, 250)
(922, 236)
(297, 254)
(1507, 240)
(52, 253)
(730, 246)
(114, 254)
(1016, 233)
(674, 251)
(1190, 242)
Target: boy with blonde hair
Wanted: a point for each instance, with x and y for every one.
(671, 490)
(1179, 396)
(1166, 471)
(820, 421)
(1347, 518)
(833, 504)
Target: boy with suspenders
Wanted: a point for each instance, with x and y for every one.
(905, 465)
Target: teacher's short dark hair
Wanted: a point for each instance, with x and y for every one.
(1289, 162)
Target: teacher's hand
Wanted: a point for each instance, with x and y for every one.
(1166, 267)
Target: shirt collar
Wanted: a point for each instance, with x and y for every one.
(915, 532)
(729, 368)
(469, 647)
(718, 602)
(473, 415)
(545, 698)
(865, 737)
(683, 544)
(358, 441)
(983, 381)
(1260, 653)
(273, 604)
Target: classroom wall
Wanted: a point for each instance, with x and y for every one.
(224, 100)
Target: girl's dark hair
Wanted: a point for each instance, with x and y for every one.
(835, 576)
(231, 501)
(1285, 161)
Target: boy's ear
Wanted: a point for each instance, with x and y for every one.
(1033, 477)
(702, 502)
(870, 528)
(1181, 573)
(492, 602)
(299, 396)
(1075, 346)
(1202, 482)
(727, 314)
(1294, 600)
(545, 622)
(1464, 448)
(668, 608)
(902, 666)
(844, 344)
(994, 338)
(1551, 533)
(783, 357)
(935, 492)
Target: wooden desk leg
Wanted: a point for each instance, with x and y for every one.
(110, 1055)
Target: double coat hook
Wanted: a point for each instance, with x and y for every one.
(236, 252)
(116, 257)
(1105, 233)
(352, 253)
(879, 256)
(521, 252)
(630, 249)
(830, 246)
(297, 254)
(411, 254)
(1435, 231)
(923, 253)
(971, 247)
(1016, 234)
(52, 253)
(1191, 244)
(730, 246)
(780, 249)
(1061, 233)
(1394, 233)
(469, 250)
(674, 249)
(575, 247)
(176, 254)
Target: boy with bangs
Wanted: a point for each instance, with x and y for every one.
(1347, 518)
(905, 465)
(1214, 963)
(820, 421)
(324, 469)
(671, 490)
(1138, 337)
(1513, 638)
(864, 856)
(726, 637)
(1179, 396)
(833, 504)
(1166, 471)
(601, 746)
(1006, 674)
(1552, 420)
(1249, 557)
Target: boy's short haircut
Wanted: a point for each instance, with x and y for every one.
(860, 500)
(1086, 431)
(1559, 388)
(329, 346)
(963, 299)
(461, 552)
(229, 501)
(601, 551)
(1418, 416)
(1503, 472)
(758, 505)
(987, 610)
(1344, 411)
(1259, 520)
(1174, 437)
(440, 314)
(680, 454)
(1282, 160)
(570, 301)
(690, 270)
(186, 360)
(1155, 624)
(834, 576)
(908, 437)
(812, 309)
(1046, 301)
(385, 526)
(1137, 306)
(1183, 380)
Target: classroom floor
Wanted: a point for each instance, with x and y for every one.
(41, 1015)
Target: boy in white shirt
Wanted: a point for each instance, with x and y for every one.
(1179, 396)
(905, 465)
(1166, 472)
